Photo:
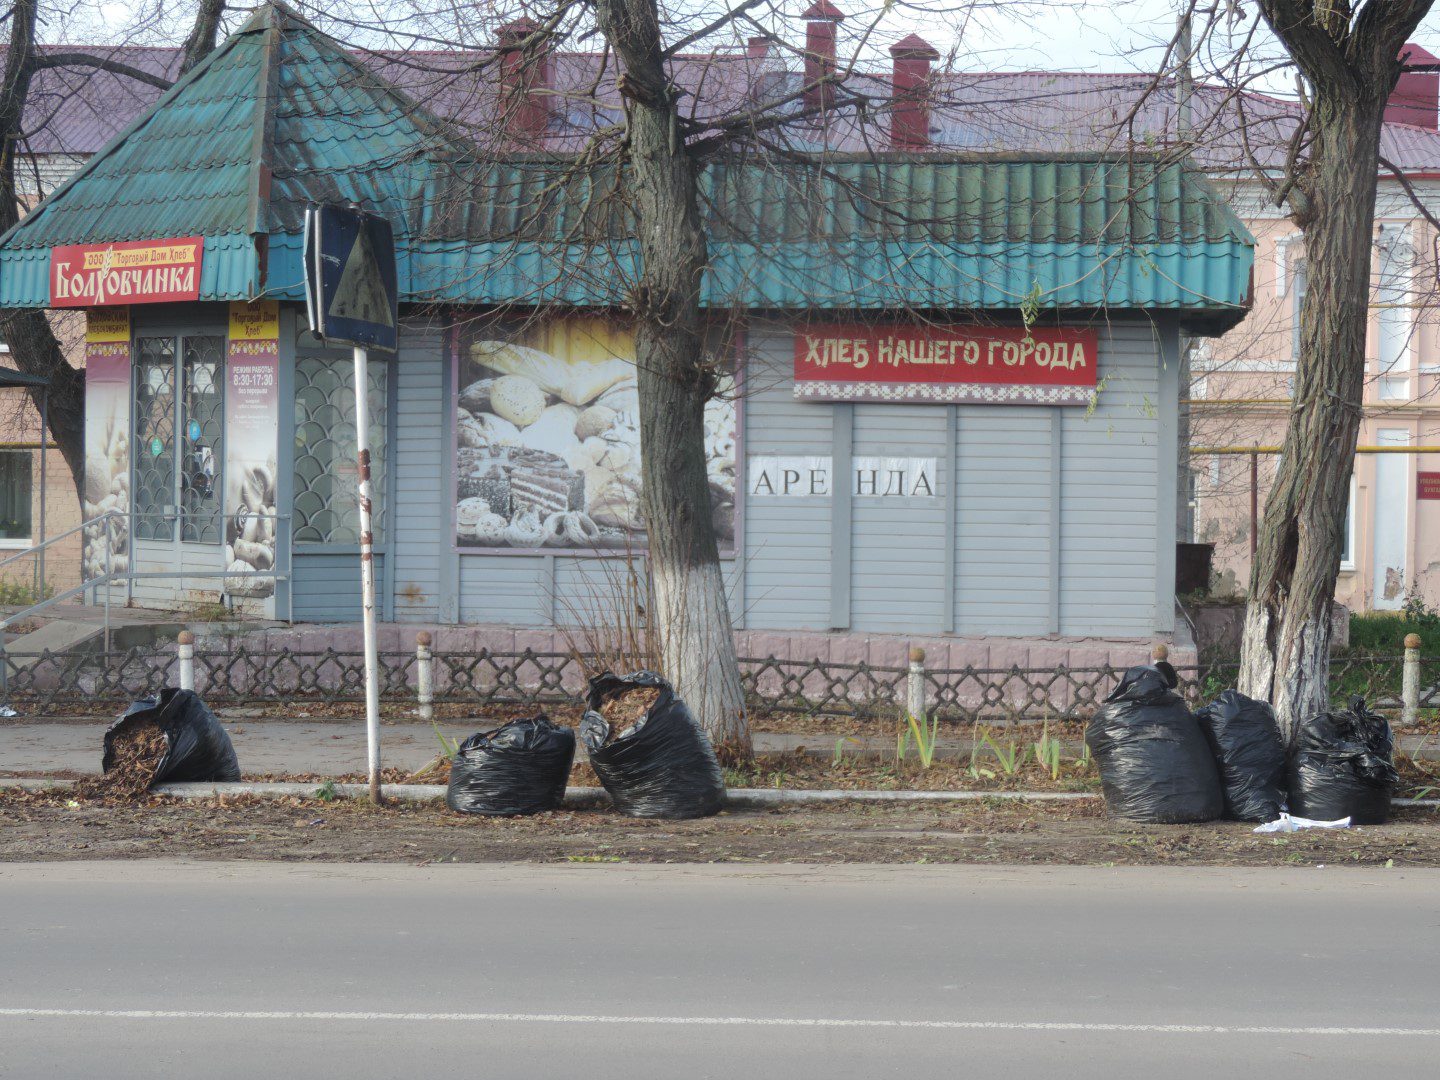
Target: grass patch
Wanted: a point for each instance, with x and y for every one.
(1371, 665)
(1383, 633)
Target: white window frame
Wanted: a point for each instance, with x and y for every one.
(1348, 564)
(1300, 286)
(1282, 263)
(22, 543)
(1395, 271)
(16, 543)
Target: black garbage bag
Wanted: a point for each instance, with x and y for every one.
(197, 747)
(1342, 765)
(520, 768)
(1154, 763)
(661, 765)
(1250, 754)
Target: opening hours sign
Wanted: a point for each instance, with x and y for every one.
(944, 364)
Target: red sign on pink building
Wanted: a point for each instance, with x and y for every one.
(945, 364)
(126, 272)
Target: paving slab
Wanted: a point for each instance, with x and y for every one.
(331, 747)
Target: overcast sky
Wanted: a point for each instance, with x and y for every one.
(1056, 35)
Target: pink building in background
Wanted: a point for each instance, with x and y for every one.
(1241, 383)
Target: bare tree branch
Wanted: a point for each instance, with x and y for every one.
(46, 60)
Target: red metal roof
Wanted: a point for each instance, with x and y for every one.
(76, 111)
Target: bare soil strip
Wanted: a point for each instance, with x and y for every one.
(54, 825)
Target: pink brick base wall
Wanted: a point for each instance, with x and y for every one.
(877, 650)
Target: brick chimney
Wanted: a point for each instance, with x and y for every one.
(1416, 97)
(822, 17)
(910, 92)
(524, 82)
(757, 48)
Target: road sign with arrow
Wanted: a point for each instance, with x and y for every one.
(350, 284)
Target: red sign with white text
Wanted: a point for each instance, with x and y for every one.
(942, 364)
(1427, 485)
(126, 272)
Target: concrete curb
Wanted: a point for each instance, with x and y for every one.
(581, 797)
(577, 797)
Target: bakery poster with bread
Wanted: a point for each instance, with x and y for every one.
(107, 440)
(548, 439)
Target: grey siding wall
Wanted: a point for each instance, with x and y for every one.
(1047, 519)
(546, 590)
(1055, 520)
(897, 566)
(1002, 521)
(787, 540)
(327, 586)
(504, 589)
(1111, 530)
(421, 468)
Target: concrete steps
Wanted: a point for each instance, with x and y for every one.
(70, 628)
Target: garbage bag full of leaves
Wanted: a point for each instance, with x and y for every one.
(1154, 763)
(647, 749)
(170, 739)
(519, 768)
(1342, 765)
(1250, 754)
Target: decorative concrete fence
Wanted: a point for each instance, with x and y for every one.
(425, 677)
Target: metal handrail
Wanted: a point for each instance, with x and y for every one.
(45, 602)
(106, 516)
(110, 577)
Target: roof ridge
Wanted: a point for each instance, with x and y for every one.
(211, 58)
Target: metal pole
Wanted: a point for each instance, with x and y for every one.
(129, 536)
(44, 454)
(367, 572)
(1254, 504)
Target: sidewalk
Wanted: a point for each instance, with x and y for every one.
(332, 748)
(285, 746)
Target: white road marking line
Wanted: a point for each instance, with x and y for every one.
(709, 1021)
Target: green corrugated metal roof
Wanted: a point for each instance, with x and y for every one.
(276, 116)
(280, 115)
(949, 199)
(879, 231)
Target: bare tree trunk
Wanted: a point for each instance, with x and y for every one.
(1351, 65)
(1286, 653)
(33, 344)
(203, 33)
(676, 379)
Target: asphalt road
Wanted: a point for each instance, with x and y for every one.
(155, 969)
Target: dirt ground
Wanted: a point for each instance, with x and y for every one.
(53, 826)
(800, 771)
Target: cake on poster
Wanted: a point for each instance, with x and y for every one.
(548, 438)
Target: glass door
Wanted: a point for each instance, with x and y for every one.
(179, 437)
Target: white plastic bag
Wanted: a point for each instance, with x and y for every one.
(1289, 823)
